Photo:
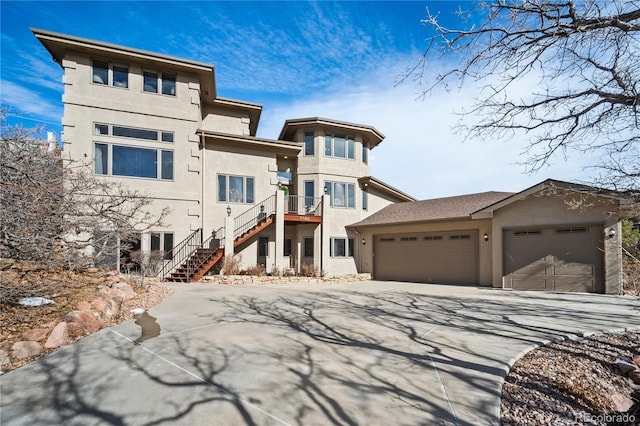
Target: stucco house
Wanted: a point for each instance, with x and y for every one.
(155, 123)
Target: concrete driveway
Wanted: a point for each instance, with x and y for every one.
(374, 353)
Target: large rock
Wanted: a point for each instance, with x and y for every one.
(36, 334)
(121, 291)
(82, 320)
(622, 403)
(25, 349)
(58, 337)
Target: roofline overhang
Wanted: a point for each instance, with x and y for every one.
(283, 147)
(253, 109)
(371, 182)
(375, 136)
(58, 44)
(487, 212)
(412, 222)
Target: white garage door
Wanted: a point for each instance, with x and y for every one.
(566, 258)
(440, 257)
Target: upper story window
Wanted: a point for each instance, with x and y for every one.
(235, 189)
(341, 194)
(157, 82)
(365, 154)
(309, 144)
(110, 74)
(365, 199)
(103, 129)
(132, 161)
(339, 147)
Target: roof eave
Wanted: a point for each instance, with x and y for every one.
(291, 124)
(57, 44)
(283, 147)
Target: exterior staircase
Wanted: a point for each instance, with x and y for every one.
(199, 257)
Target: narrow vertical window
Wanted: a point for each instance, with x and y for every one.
(150, 82)
(168, 245)
(249, 198)
(155, 241)
(100, 72)
(365, 200)
(101, 159)
(309, 191)
(167, 165)
(222, 188)
(308, 247)
(328, 152)
(309, 144)
(120, 76)
(339, 147)
(339, 194)
(168, 85)
(365, 154)
(236, 189)
(351, 196)
(351, 149)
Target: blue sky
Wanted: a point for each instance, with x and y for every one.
(339, 60)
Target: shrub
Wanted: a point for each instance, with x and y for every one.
(231, 265)
(256, 271)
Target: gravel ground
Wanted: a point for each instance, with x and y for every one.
(573, 382)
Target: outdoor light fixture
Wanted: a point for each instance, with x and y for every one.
(486, 237)
(611, 232)
(364, 241)
(228, 210)
(261, 208)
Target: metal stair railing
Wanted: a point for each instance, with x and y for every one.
(304, 206)
(255, 215)
(181, 252)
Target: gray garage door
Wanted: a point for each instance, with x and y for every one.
(564, 258)
(442, 257)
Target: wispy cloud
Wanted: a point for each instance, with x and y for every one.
(27, 102)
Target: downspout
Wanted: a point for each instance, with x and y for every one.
(203, 148)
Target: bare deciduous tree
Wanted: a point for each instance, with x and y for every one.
(56, 211)
(586, 55)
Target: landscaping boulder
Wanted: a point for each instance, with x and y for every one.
(58, 337)
(25, 349)
(82, 320)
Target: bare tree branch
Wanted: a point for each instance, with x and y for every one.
(586, 55)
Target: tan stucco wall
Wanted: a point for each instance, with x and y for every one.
(556, 210)
(482, 226)
(223, 120)
(86, 103)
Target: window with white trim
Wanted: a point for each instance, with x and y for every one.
(235, 189)
(104, 129)
(308, 247)
(133, 161)
(341, 194)
(110, 74)
(158, 82)
(342, 247)
(339, 146)
(309, 144)
(163, 241)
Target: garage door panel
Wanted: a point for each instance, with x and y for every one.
(574, 284)
(563, 258)
(529, 283)
(444, 257)
(573, 268)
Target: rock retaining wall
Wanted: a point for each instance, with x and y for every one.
(251, 279)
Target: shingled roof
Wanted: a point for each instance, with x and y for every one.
(458, 207)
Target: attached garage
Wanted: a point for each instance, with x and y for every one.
(562, 258)
(442, 257)
(553, 236)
